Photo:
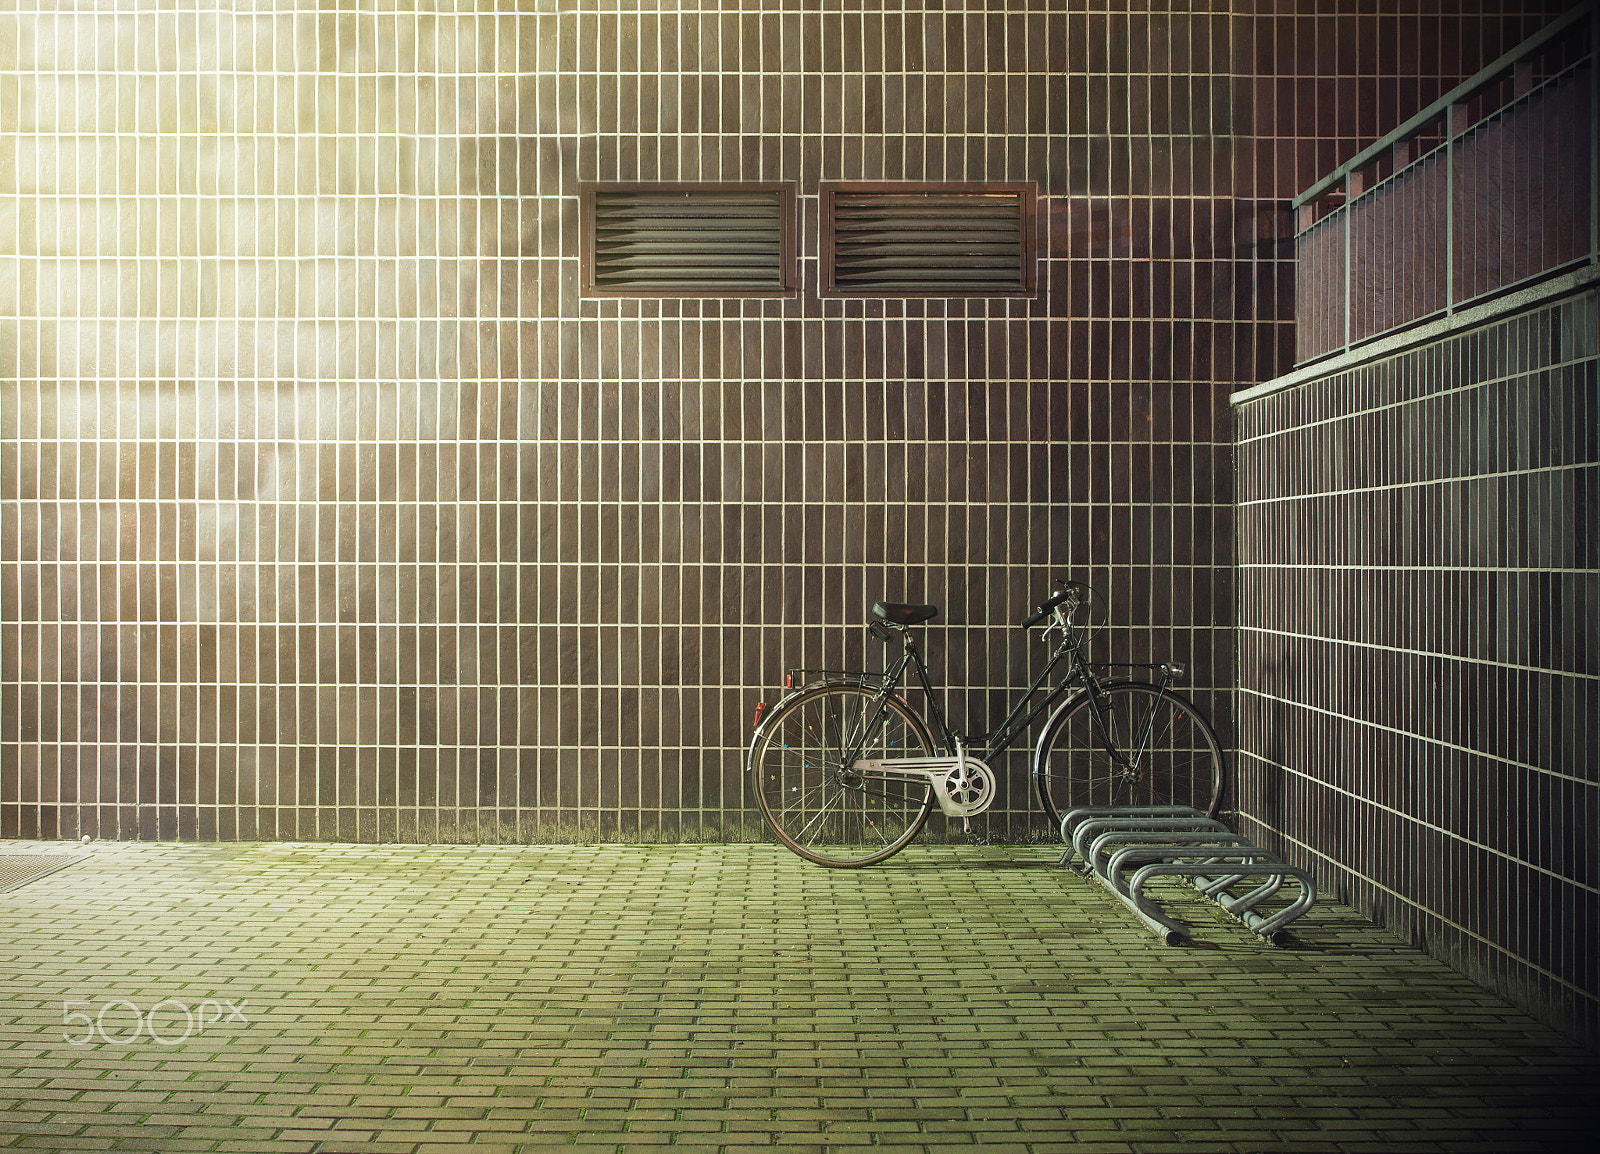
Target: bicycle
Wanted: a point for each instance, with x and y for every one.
(846, 774)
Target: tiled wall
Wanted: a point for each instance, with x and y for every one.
(331, 511)
(328, 510)
(1419, 651)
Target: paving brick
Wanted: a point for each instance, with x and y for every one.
(414, 998)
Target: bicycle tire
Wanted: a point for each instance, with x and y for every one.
(1180, 764)
(807, 795)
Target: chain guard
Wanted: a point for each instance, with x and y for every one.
(964, 786)
(966, 790)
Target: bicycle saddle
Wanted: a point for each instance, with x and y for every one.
(903, 614)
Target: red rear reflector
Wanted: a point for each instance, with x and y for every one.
(756, 720)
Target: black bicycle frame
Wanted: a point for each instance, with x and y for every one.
(998, 739)
(1080, 677)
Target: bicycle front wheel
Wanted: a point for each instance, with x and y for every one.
(1137, 744)
(821, 808)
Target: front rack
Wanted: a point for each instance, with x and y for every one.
(1171, 669)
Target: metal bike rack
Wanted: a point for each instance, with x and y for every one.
(1124, 847)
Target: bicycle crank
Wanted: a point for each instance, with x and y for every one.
(964, 785)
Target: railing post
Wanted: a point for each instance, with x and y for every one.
(1522, 79)
(1455, 124)
(1594, 135)
(1352, 189)
(1302, 219)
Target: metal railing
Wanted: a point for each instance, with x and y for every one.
(1489, 189)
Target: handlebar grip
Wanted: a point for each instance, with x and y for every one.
(1049, 604)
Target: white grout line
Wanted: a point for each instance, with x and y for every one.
(1394, 486)
(1417, 737)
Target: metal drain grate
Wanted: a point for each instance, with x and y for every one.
(21, 868)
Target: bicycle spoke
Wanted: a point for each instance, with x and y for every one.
(804, 801)
(800, 776)
(1149, 739)
(862, 789)
(1134, 745)
(820, 814)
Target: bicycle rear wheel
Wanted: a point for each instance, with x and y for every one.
(1154, 749)
(818, 806)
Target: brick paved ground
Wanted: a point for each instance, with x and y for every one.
(414, 998)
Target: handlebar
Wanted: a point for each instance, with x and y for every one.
(1043, 611)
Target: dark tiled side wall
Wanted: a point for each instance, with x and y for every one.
(1419, 650)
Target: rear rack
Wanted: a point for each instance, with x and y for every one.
(792, 677)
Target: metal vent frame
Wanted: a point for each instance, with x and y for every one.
(901, 212)
(605, 261)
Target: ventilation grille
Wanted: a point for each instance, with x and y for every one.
(969, 240)
(688, 240)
